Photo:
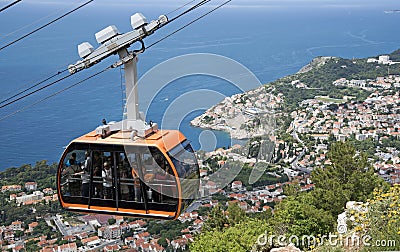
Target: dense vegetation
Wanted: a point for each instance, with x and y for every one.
(44, 175)
(167, 229)
(336, 68)
(264, 180)
(350, 177)
(244, 172)
(320, 77)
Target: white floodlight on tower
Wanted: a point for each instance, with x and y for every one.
(138, 21)
(112, 41)
(163, 19)
(106, 34)
(85, 49)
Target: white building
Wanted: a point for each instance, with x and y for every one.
(384, 59)
(30, 186)
(11, 188)
(36, 196)
(237, 185)
(112, 232)
(16, 225)
(69, 247)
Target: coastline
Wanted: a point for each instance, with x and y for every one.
(242, 116)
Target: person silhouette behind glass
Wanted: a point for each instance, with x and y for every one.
(107, 181)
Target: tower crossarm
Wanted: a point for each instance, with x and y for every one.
(112, 42)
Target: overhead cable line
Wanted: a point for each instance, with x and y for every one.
(54, 94)
(54, 82)
(8, 6)
(188, 24)
(45, 25)
(3, 36)
(187, 11)
(35, 91)
(180, 7)
(35, 85)
(104, 70)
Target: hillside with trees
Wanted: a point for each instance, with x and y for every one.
(42, 173)
(45, 177)
(319, 78)
(350, 177)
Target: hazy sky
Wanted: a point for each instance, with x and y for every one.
(234, 3)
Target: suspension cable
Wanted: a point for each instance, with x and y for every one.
(35, 91)
(54, 82)
(187, 11)
(35, 85)
(45, 25)
(8, 6)
(52, 76)
(180, 7)
(188, 24)
(54, 94)
(3, 36)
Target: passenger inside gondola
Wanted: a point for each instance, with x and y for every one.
(124, 186)
(97, 179)
(71, 174)
(159, 182)
(113, 178)
(85, 175)
(72, 160)
(107, 176)
(133, 174)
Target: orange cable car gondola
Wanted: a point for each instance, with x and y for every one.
(128, 168)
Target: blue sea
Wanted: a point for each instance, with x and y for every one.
(271, 38)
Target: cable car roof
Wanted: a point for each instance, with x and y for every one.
(164, 139)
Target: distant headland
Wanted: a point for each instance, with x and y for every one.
(392, 11)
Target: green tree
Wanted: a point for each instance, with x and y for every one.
(235, 214)
(167, 229)
(79, 243)
(42, 228)
(291, 189)
(162, 242)
(62, 242)
(31, 245)
(298, 216)
(216, 219)
(349, 177)
(19, 233)
(203, 211)
(241, 237)
(383, 220)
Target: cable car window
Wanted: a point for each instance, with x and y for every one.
(125, 178)
(108, 180)
(184, 160)
(97, 185)
(85, 174)
(71, 182)
(134, 174)
(164, 183)
(103, 187)
(106, 176)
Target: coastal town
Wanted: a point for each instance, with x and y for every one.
(293, 154)
(114, 233)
